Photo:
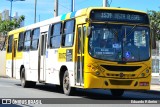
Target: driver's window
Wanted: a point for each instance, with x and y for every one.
(97, 38)
(140, 38)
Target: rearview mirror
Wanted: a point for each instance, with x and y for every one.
(153, 41)
(89, 31)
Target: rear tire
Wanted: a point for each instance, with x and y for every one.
(67, 89)
(24, 82)
(117, 92)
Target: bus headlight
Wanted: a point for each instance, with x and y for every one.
(142, 74)
(145, 73)
(96, 69)
(97, 73)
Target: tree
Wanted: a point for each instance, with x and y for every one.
(155, 23)
(7, 25)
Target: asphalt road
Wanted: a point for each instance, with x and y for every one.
(10, 88)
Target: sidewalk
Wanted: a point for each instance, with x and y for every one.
(155, 87)
(155, 83)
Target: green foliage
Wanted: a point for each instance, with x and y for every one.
(155, 23)
(7, 25)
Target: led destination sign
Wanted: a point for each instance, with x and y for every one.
(122, 16)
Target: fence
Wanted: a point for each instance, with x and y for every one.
(156, 60)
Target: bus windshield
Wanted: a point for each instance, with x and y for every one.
(114, 42)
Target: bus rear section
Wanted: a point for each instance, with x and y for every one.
(13, 54)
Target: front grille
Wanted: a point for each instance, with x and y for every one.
(121, 82)
(118, 75)
(121, 68)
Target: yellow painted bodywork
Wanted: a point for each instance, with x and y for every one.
(15, 33)
(91, 79)
(98, 81)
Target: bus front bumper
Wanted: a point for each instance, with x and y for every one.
(92, 81)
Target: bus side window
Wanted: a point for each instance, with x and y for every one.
(10, 39)
(21, 42)
(35, 39)
(55, 38)
(27, 40)
(68, 33)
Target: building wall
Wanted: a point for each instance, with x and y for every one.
(5, 15)
(2, 39)
(2, 63)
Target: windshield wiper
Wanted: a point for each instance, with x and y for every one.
(124, 40)
(130, 31)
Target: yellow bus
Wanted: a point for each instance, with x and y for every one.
(95, 47)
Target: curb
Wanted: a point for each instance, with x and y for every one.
(4, 76)
(155, 87)
(155, 92)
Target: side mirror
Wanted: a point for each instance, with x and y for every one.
(153, 38)
(89, 31)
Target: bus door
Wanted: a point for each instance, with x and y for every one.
(14, 51)
(80, 55)
(43, 46)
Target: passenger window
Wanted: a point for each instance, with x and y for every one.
(55, 38)
(35, 39)
(68, 36)
(10, 39)
(20, 42)
(27, 40)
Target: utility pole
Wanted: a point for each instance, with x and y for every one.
(11, 10)
(11, 7)
(55, 8)
(105, 2)
(35, 11)
(72, 5)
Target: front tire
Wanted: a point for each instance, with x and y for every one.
(117, 92)
(24, 82)
(67, 89)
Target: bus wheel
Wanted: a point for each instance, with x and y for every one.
(117, 92)
(67, 89)
(25, 83)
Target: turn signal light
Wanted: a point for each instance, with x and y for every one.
(142, 74)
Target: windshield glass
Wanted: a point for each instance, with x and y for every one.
(119, 42)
